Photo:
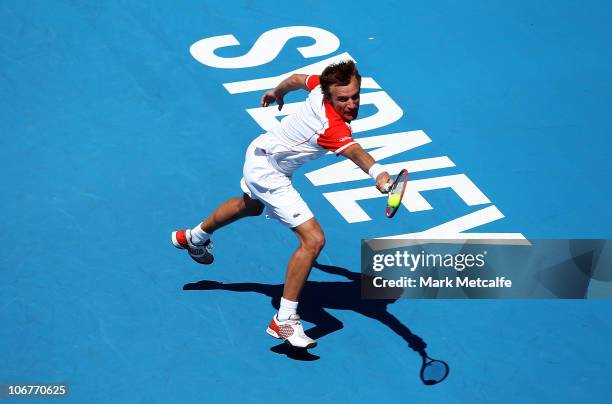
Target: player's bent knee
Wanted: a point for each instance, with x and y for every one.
(321, 242)
(253, 207)
(315, 242)
(256, 209)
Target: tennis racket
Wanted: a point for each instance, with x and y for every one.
(433, 371)
(396, 192)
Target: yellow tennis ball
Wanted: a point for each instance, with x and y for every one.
(394, 200)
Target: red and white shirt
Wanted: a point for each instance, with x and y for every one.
(312, 131)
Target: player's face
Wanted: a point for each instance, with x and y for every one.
(345, 99)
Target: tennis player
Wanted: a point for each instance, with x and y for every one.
(321, 124)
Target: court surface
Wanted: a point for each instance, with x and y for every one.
(112, 135)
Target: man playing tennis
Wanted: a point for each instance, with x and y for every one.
(322, 124)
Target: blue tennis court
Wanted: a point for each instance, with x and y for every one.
(116, 129)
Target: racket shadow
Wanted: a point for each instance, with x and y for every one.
(316, 297)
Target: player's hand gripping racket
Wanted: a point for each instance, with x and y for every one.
(396, 193)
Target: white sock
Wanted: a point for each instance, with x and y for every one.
(199, 236)
(287, 308)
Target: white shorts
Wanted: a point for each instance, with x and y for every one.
(263, 182)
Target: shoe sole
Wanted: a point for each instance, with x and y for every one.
(207, 262)
(273, 333)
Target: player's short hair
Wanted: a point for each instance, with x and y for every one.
(340, 74)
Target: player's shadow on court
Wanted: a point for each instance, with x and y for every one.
(318, 296)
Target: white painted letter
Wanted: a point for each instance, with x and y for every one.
(346, 201)
(265, 49)
(271, 82)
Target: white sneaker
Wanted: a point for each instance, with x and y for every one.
(200, 253)
(291, 331)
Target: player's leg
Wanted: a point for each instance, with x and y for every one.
(286, 324)
(312, 240)
(284, 203)
(230, 211)
(197, 240)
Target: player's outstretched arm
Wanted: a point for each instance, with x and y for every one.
(291, 83)
(366, 162)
